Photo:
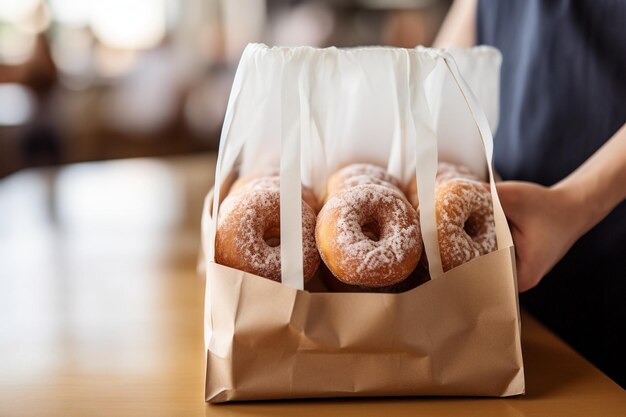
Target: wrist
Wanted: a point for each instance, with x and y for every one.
(585, 208)
(597, 186)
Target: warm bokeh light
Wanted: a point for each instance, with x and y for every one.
(71, 12)
(72, 51)
(306, 24)
(16, 45)
(17, 10)
(111, 62)
(17, 104)
(129, 24)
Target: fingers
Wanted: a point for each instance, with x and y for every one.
(530, 266)
(510, 194)
(526, 278)
(527, 275)
(520, 263)
(525, 206)
(508, 198)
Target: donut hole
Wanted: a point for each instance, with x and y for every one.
(472, 226)
(272, 237)
(371, 229)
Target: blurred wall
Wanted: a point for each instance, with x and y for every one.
(93, 79)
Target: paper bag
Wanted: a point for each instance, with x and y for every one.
(310, 111)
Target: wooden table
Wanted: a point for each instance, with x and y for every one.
(101, 308)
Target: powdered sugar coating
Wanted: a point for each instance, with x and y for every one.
(257, 173)
(465, 224)
(446, 171)
(360, 174)
(273, 183)
(244, 219)
(352, 256)
(363, 179)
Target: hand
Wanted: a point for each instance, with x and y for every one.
(545, 223)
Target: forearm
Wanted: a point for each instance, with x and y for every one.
(599, 184)
(459, 27)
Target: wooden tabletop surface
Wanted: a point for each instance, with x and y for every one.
(101, 308)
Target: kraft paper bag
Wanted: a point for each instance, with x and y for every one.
(307, 112)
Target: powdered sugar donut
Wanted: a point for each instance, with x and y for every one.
(248, 234)
(360, 174)
(273, 182)
(369, 236)
(465, 224)
(257, 173)
(445, 172)
(411, 193)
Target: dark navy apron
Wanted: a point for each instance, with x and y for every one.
(563, 95)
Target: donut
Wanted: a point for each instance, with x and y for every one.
(273, 182)
(465, 224)
(411, 193)
(257, 173)
(369, 236)
(446, 171)
(360, 174)
(248, 234)
(239, 184)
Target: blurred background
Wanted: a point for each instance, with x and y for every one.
(98, 280)
(87, 80)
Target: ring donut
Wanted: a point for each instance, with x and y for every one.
(360, 174)
(465, 224)
(369, 236)
(248, 234)
(446, 171)
(273, 182)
